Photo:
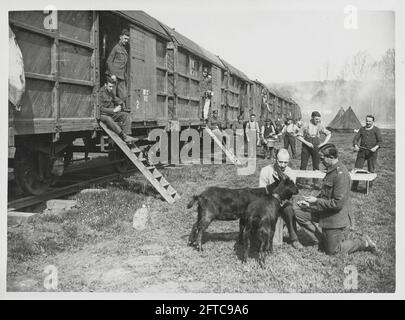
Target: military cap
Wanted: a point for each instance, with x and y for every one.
(329, 150)
(125, 32)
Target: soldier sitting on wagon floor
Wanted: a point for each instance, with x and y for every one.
(112, 114)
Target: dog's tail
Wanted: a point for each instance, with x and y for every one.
(194, 199)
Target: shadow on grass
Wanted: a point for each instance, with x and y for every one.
(216, 236)
(137, 187)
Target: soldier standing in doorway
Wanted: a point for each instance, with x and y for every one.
(206, 92)
(117, 65)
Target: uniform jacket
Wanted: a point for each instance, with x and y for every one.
(117, 61)
(205, 85)
(108, 101)
(238, 128)
(368, 138)
(214, 123)
(333, 202)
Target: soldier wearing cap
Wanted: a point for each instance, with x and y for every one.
(112, 114)
(331, 209)
(117, 65)
(216, 125)
(206, 92)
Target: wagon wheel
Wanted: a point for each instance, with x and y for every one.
(32, 171)
(122, 166)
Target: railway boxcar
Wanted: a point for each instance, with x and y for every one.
(188, 60)
(60, 53)
(257, 94)
(235, 92)
(65, 55)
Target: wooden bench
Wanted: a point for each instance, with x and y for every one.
(356, 175)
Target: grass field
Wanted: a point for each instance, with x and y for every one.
(98, 249)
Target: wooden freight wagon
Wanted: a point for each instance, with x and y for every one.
(257, 91)
(235, 92)
(64, 54)
(269, 110)
(188, 60)
(61, 65)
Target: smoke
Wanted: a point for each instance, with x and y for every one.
(366, 85)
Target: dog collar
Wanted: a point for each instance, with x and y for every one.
(277, 196)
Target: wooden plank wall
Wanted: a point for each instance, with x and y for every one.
(59, 68)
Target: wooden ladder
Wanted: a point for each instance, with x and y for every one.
(228, 152)
(149, 171)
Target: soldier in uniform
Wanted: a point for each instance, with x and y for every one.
(206, 93)
(331, 209)
(112, 114)
(215, 124)
(117, 65)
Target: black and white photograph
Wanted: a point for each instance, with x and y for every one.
(202, 148)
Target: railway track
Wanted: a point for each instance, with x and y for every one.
(73, 181)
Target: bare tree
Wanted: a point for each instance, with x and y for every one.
(387, 65)
(359, 66)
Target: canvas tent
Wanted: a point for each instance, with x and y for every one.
(348, 121)
(338, 115)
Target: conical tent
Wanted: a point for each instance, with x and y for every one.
(347, 122)
(336, 118)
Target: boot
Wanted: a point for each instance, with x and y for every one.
(127, 139)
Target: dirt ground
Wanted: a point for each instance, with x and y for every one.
(98, 250)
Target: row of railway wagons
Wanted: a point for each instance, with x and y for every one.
(64, 55)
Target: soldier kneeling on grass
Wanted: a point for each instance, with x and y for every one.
(331, 209)
(112, 114)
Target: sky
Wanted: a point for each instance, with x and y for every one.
(280, 44)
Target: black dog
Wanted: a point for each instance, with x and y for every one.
(217, 203)
(261, 218)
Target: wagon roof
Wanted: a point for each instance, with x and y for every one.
(193, 47)
(271, 90)
(143, 19)
(235, 71)
(281, 96)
